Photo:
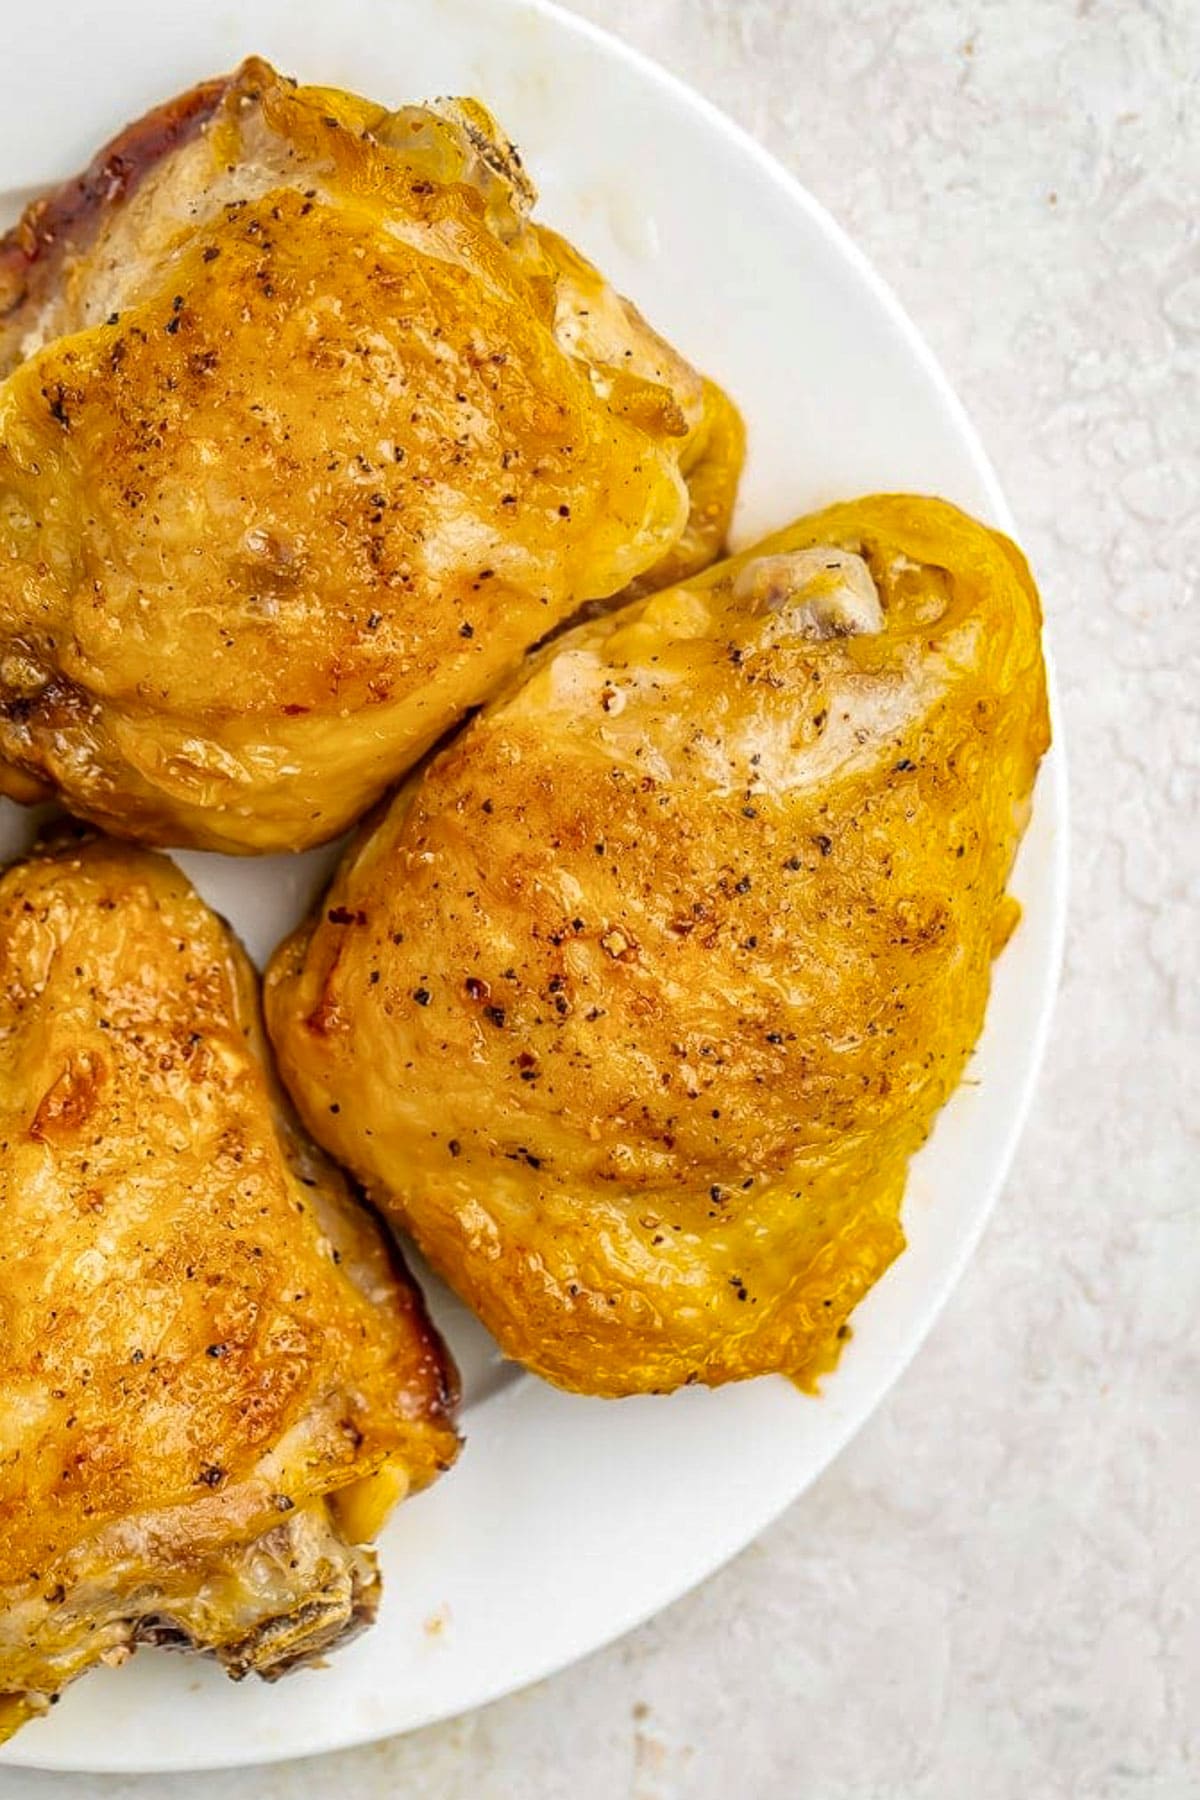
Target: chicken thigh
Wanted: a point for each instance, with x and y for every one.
(307, 434)
(216, 1378)
(635, 1003)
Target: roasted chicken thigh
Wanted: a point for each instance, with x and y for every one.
(216, 1379)
(635, 1003)
(307, 434)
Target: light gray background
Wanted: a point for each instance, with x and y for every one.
(994, 1593)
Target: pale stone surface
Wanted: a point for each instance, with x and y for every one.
(994, 1593)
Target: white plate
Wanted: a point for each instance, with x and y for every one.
(568, 1521)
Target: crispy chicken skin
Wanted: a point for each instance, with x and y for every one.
(216, 1378)
(637, 1001)
(307, 433)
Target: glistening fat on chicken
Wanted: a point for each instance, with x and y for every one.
(648, 986)
(217, 1376)
(308, 432)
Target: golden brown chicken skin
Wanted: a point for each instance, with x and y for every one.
(636, 1003)
(307, 434)
(216, 1379)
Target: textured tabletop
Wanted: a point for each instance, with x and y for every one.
(995, 1591)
